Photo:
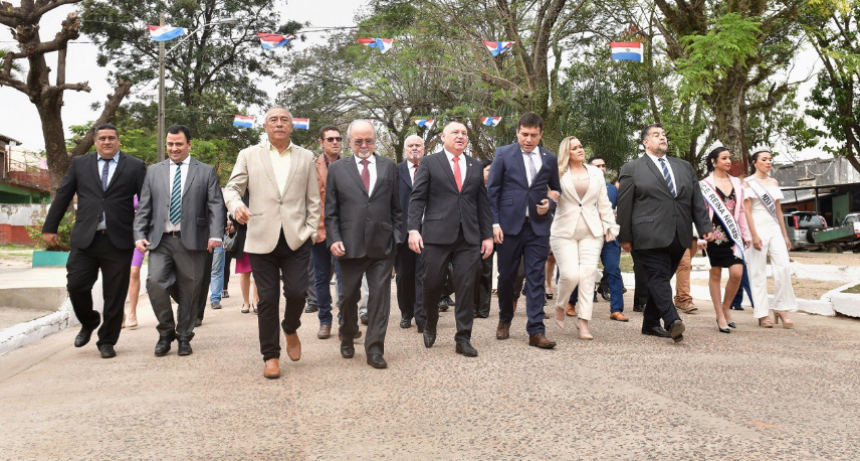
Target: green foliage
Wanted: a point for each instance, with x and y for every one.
(64, 233)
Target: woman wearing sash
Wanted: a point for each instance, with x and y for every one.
(769, 238)
(583, 221)
(724, 195)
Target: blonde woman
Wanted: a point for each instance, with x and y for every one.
(583, 221)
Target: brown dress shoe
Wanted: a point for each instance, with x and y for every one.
(294, 347)
(571, 310)
(619, 316)
(272, 370)
(325, 332)
(686, 307)
(540, 340)
(503, 331)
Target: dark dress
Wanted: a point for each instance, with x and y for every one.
(720, 249)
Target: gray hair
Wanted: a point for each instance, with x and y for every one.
(359, 120)
(278, 106)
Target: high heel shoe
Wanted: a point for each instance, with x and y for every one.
(559, 316)
(581, 334)
(548, 295)
(245, 309)
(786, 323)
(722, 330)
(765, 322)
(732, 324)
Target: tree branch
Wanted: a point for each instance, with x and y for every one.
(122, 90)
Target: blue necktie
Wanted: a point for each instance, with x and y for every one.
(176, 196)
(105, 170)
(667, 177)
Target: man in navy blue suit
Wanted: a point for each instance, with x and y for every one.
(407, 263)
(521, 178)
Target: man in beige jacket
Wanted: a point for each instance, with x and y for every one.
(282, 220)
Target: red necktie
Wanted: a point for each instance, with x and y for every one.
(414, 173)
(457, 177)
(365, 176)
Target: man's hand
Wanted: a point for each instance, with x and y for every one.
(627, 246)
(486, 248)
(229, 229)
(543, 207)
(554, 195)
(708, 236)
(320, 237)
(243, 214)
(498, 235)
(51, 239)
(142, 243)
(337, 249)
(416, 243)
(213, 244)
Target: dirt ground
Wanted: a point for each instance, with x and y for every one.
(833, 259)
(14, 256)
(803, 288)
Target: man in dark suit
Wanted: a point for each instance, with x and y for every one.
(180, 218)
(521, 176)
(363, 223)
(450, 197)
(105, 182)
(408, 264)
(658, 203)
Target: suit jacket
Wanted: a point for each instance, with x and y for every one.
(117, 202)
(202, 206)
(648, 214)
(445, 210)
(368, 226)
(404, 186)
(595, 207)
(296, 211)
(612, 192)
(509, 192)
(322, 176)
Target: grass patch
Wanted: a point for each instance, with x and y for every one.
(11, 247)
(854, 289)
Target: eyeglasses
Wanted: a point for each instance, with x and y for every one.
(364, 142)
(337, 139)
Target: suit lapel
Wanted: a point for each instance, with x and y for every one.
(381, 172)
(294, 169)
(593, 184)
(676, 170)
(352, 171)
(659, 174)
(192, 173)
(94, 167)
(267, 165)
(446, 168)
(404, 174)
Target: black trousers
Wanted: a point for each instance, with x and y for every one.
(465, 259)
(82, 271)
(658, 267)
(378, 300)
(640, 292)
(291, 267)
(410, 284)
(484, 287)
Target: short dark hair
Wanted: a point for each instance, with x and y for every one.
(328, 128)
(715, 154)
(530, 119)
(176, 129)
(107, 126)
(596, 157)
(647, 129)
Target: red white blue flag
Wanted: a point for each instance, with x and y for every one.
(302, 123)
(423, 122)
(272, 41)
(490, 121)
(497, 48)
(164, 33)
(626, 51)
(381, 44)
(244, 121)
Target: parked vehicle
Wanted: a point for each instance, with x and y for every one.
(800, 226)
(842, 237)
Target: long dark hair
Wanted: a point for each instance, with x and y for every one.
(754, 158)
(713, 156)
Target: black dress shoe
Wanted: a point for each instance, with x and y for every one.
(732, 324)
(364, 319)
(676, 331)
(655, 331)
(198, 323)
(466, 349)
(83, 337)
(420, 327)
(429, 339)
(347, 350)
(184, 347)
(638, 308)
(405, 322)
(482, 315)
(162, 347)
(376, 361)
(443, 305)
(107, 351)
(311, 308)
(604, 293)
(595, 297)
(449, 301)
(737, 308)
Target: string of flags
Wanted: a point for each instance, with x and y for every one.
(423, 122)
(497, 48)
(626, 51)
(381, 44)
(490, 121)
(249, 121)
(164, 33)
(272, 41)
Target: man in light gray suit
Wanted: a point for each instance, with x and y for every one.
(658, 202)
(180, 217)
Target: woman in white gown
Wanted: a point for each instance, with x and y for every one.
(767, 226)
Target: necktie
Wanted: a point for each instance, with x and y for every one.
(105, 170)
(176, 196)
(530, 166)
(414, 173)
(365, 176)
(457, 178)
(667, 176)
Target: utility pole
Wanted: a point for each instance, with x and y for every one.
(161, 94)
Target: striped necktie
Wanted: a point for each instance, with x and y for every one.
(667, 177)
(176, 197)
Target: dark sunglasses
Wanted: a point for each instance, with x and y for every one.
(338, 139)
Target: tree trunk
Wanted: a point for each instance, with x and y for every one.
(730, 129)
(55, 141)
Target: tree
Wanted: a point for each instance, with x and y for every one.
(24, 21)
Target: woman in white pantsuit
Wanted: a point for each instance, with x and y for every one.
(583, 220)
(767, 226)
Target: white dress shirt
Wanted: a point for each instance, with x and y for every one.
(100, 164)
(371, 168)
(170, 227)
(462, 162)
(281, 163)
(656, 161)
(535, 159)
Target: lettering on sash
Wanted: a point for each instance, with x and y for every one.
(722, 212)
(764, 196)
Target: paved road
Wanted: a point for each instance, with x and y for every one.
(753, 394)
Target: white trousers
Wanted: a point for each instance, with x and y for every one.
(773, 245)
(577, 260)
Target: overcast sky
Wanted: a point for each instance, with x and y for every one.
(19, 120)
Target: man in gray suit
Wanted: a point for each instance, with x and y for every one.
(658, 202)
(363, 226)
(180, 218)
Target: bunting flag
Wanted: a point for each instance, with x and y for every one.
(490, 121)
(164, 33)
(626, 51)
(497, 48)
(381, 44)
(423, 122)
(302, 123)
(272, 41)
(244, 121)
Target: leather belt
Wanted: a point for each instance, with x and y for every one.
(174, 233)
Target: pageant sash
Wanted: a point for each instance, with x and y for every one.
(764, 196)
(722, 211)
